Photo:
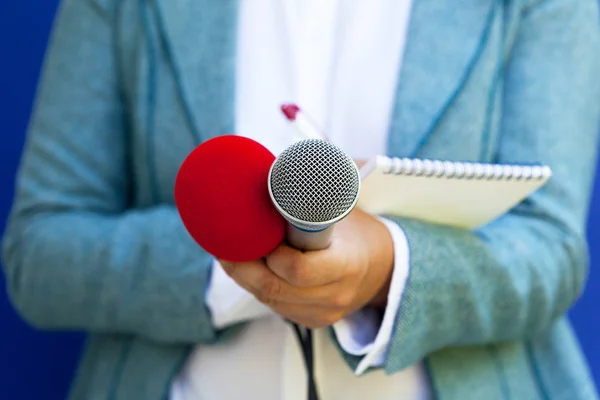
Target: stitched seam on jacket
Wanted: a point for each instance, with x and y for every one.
(151, 104)
(463, 81)
(195, 132)
(505, 389)
(118, 373)
(432, 385)
(542, 390)
(485, 140)
(124, 96)
(176, 368)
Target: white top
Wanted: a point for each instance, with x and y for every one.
(339, 60)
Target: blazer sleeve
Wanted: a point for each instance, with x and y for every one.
(76, 255)
(516, 276)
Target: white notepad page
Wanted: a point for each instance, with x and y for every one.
(465, 195)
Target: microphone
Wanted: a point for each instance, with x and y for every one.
(222, 196)
(234, 198)
(313, 184)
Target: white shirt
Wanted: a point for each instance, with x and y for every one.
(339, 60)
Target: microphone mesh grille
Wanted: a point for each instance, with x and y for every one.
(314, 181)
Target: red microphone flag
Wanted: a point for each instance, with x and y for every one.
(221, 194)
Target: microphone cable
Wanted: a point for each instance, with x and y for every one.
(306, 344)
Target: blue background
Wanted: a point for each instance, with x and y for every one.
(36, 365)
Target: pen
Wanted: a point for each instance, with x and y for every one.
(301, 122)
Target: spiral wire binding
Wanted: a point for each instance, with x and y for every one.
(465, 170)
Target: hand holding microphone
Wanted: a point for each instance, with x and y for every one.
(318, 288)
(315, 186)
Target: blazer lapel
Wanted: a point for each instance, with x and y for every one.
(199, 37)
(444, 41)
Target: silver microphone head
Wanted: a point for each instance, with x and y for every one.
(314, 184)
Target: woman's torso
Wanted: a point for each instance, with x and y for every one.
(177, 69)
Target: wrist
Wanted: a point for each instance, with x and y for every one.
(381, 264)
(379, 301)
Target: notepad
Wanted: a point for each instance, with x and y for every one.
(460, 194)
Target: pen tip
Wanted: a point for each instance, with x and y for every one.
(290, 111)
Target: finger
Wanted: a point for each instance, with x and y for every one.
(246, 274)
(304, 270)
(270, 289)
(230, 267)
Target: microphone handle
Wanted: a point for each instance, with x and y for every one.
(308, 241)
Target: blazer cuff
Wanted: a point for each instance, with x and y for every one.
(229, 303)
(365, 333)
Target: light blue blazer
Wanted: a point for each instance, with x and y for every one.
(130, 87)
